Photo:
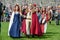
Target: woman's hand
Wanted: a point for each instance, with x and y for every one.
(24, 16)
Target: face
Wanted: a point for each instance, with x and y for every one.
(16, 8)
(25, 7)
(37, 9)
(29, 9)
(34, 8)
(43, 9)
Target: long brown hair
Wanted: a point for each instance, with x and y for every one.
(18, 8)
(43, 10)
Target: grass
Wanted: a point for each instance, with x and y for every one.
(53, 33)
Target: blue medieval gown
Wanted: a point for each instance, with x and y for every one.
(15, 24)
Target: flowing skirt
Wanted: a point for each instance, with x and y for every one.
(35, 27)
(15, 27)
(23, 29)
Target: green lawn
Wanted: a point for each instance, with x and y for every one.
(53, 33)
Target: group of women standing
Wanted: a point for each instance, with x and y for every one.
(30, 20)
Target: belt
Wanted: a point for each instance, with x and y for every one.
(29, 18)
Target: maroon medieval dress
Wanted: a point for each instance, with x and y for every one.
(23, 29)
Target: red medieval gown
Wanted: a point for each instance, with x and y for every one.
(35, 26)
